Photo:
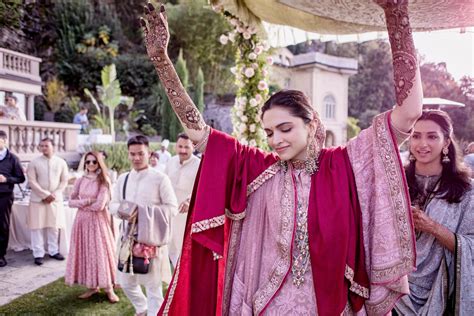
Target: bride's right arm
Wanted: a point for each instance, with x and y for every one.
(155, 27)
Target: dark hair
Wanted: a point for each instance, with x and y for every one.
(455, 180)
(155, 154)
(83, 107)
(3, 135)
(137, 140)
(183, 136)
(103, 153)
(294, 101)
(47, 139)
(12, 96)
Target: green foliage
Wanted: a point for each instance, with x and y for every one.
(117, 155)
(195, 29)
(10, 14)
(148, 130)
(352, 128)
(55, 94)
(199, 91)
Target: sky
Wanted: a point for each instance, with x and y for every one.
(454, 48)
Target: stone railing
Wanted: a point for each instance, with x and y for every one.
(20, 65)
(24, 138)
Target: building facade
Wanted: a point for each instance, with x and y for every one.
(325, 80)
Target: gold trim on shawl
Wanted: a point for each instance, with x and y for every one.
(263, 177)
(234, 217)
(355, 287)
(282, 264)
(388, 155)
(171, 290)
(457, 274)
(207, 224)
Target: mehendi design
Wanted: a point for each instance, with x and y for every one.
(156, 39)
(403, 48)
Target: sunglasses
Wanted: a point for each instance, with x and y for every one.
(88, 162)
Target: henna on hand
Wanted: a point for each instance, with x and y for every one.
(403, 49)
(155, 28)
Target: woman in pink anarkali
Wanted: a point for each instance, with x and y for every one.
(91, 261)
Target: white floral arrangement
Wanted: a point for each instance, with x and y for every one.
(250, 77)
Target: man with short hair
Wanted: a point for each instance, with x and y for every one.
(11, 110)
(81, 119)
(151, 189)
(47, 177)
(11, 173)
(164, 153)
(182, 170)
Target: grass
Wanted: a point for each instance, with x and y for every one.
(57, 298)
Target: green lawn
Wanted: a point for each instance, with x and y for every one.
(57, 298)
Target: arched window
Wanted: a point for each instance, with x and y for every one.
(329, 107)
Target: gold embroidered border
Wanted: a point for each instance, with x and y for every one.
(388, 152)
(282, 263)
(207, 224)
(263, 177)
(355, 287)
(234, 243)
(235, 217)
(216, 256)
(171, 290)
(384, 306)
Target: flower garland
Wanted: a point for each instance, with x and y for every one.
(250, 77)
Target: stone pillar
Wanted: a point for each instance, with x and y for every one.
(30, 107)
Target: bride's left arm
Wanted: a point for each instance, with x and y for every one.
(406, 73)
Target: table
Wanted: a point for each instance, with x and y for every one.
(20, 238)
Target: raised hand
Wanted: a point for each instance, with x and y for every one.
(155, 28)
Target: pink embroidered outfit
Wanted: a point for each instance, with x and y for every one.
(91, 261)
(245, 250)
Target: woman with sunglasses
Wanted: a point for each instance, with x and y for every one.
(91, 261)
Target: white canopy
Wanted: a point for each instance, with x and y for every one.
(441, 102)
(350, 16)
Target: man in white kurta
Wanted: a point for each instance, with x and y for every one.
(47, 178)
(146, 187)
(182, 170)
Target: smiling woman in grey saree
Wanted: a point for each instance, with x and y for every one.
(443, 213)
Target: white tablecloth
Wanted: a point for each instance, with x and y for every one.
(20, 237)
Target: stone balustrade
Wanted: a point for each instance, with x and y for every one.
(19, 65)
(24, 138)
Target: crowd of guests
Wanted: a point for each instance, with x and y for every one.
(440, 187)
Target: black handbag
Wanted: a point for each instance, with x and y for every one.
(138, 266)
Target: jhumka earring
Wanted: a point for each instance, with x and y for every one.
(311, 163)
(445, 159)
(411, 157)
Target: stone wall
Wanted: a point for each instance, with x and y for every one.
(217, 112)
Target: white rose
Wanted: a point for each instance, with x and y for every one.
(244, 141)
(239, 29)
(252, 128)
(247, 35)
(264, 72)
(255, 66)
(242, 128)
(244, 118)
(234, 22)
(270, 60)
(252, 30)
(232, 36)
(249, 72)
(253, 143)
(258, 97)
(253, 102)
(262, 85)
(258, 50)
(217, 8)
(266, 45)
(223, 39)
(239, 113)
(233, 70)
(252, 56)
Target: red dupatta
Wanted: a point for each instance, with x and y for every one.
(334, 224)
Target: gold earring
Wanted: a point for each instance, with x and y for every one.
(445, 159)
(311, 163)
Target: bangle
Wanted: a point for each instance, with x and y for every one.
(199, 146)
(156, 58)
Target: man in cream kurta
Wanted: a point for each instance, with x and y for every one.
(182, 170)
(47, 177)
(146, 187)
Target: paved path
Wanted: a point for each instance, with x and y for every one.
(22, 276)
